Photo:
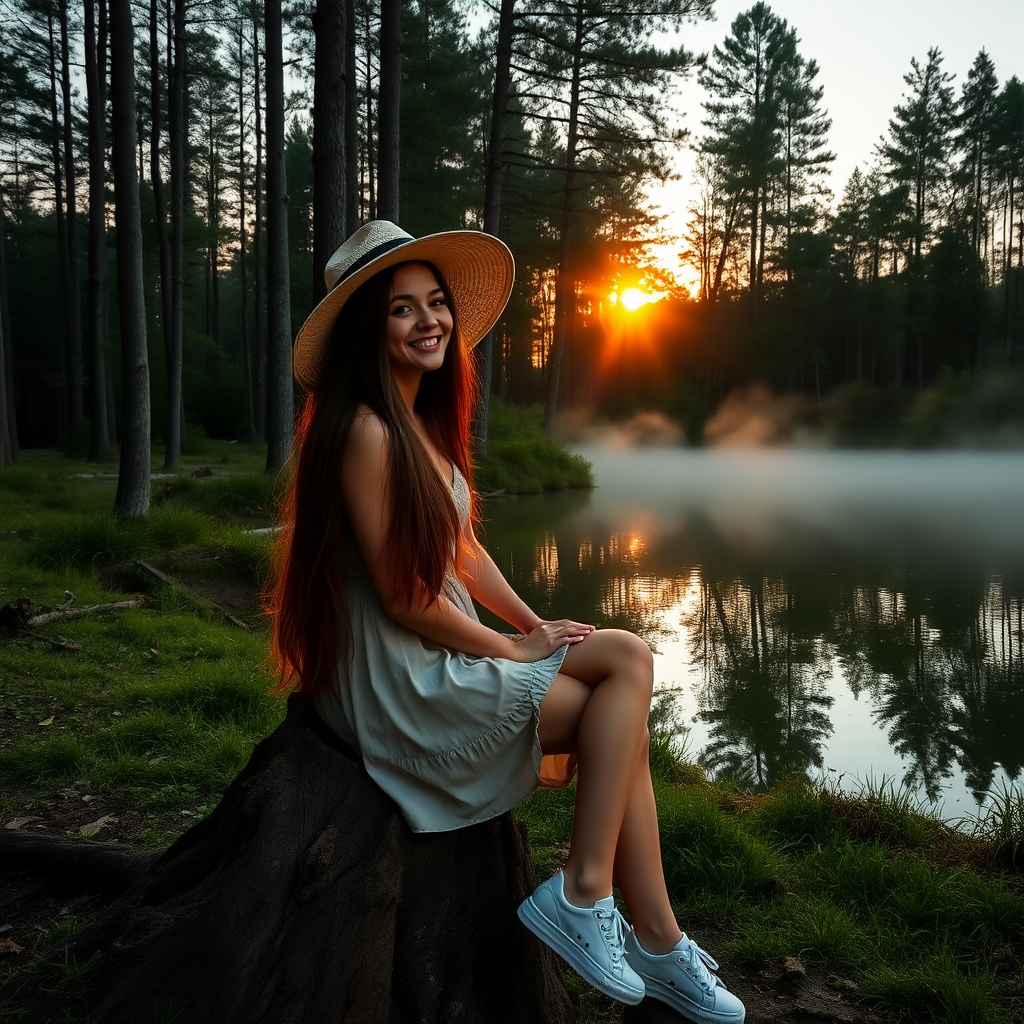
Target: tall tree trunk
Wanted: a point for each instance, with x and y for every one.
(156, 176)
(565, 300)
(95, 82)
(248, 360)
(6, 449)
(369, 164)
(173, 337)
(492, 201)
(388, 108)
(73, 341)
(259, 323)
(6, 456)
(279, 331)
(9, 423)
(351, 121)
(64, 409)
(132, 499)
(1008, 277)
(331, 86)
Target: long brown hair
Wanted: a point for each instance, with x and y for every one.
(306, 593)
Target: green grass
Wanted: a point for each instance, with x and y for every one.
(522, 459)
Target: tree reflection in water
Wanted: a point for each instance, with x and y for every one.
(929, 638)
(765, 677)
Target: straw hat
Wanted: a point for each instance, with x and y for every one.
(478, 269)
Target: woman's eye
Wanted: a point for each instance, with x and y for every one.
(399, 310)
(439, 302)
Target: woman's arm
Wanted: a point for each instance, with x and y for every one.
(486, 584)
(365, 489)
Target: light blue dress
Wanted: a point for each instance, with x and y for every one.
(451, 738)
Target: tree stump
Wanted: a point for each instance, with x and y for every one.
(305, 898)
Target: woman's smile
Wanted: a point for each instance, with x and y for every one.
(419, 320)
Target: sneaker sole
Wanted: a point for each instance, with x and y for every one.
(551, 935)
(671, 996)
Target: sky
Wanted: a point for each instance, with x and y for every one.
(863, 49)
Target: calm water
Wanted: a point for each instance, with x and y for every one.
(845, 614)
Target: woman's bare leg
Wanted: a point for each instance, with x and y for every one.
(638, 868)
(598, 707)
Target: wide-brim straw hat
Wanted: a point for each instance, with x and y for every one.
(477, 267)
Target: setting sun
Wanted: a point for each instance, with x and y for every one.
(633, 298)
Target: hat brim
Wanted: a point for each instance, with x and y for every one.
(477, 267)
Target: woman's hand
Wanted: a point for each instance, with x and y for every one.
(546, 638)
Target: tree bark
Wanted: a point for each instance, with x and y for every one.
(331, 86)
(95, 81)
(352, 191)
(388, 109)
(280, 411)
(156, 175)
(304, 898)
(176, 137)
(492, 201)
(248, 358)
(259, 328)
(132, 499)
(8, 422)
(565, 301)
(64, 429)
(6, 458)
(73, 342)
(106, 867)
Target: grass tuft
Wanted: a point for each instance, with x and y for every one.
(55, 760)
(1002, 824)
(102, 539)
(705, 850)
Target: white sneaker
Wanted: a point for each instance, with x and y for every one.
(683, 979)
(589, 939)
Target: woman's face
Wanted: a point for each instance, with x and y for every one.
(419, 320)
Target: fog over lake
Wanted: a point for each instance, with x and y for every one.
(850, 614)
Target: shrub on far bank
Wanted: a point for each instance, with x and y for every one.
(522, 459)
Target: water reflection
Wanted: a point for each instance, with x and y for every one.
(817, 611)
(764, 692)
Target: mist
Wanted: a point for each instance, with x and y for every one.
(765, 499)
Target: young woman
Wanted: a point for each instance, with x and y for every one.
(374, 618)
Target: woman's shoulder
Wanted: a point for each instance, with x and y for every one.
(366, 445)
(368, 429)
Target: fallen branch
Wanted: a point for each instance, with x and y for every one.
(18, 618)
(66, 612)
(171, 582)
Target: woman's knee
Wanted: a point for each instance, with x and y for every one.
(632, 654)
(609, 653)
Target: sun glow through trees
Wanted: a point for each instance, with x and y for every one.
(633, 298)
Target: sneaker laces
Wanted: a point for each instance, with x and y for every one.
(701, 961)
(613, 930)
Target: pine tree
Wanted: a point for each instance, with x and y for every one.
(919, 145)
(745, 79)
(593, 69)
(977, 123)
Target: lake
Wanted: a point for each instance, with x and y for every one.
(849, 615)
